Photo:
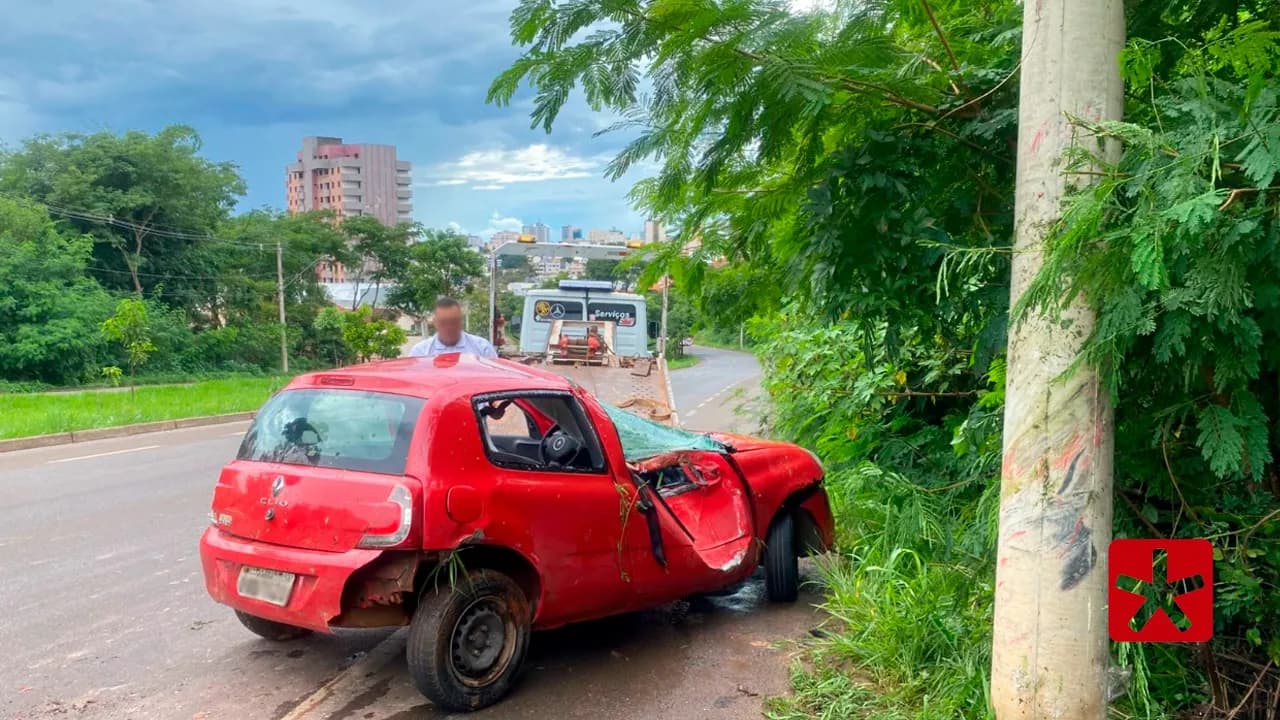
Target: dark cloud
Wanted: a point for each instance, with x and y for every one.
(255, 76)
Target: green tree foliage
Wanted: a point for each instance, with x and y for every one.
(131, 328)
(150, 202)
(369, 338)
(855, 167)
(328, 329)
(1178, 248)
(441, 263)
(49, 309)
(680, 317)
(379, 253)
(601, 270)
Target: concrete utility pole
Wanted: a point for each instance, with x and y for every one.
(284, 327)
(1050, 657)
(662, 331)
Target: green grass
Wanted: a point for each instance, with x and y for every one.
(26, 415)
(681, 363)
(708, 340)
(909, 606)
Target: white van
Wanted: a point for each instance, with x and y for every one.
(586, 300)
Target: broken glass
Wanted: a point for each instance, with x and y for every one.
(643, 438)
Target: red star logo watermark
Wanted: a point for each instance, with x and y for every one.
(1160, 591)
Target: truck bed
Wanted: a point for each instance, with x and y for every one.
(643, 388)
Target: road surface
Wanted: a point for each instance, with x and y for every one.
(106, 614)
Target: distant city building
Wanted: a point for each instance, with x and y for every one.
(540, 232)
(613, 236)
(350, 180)
(502, 237)
(475, 241)
(570, 233)
(653, 232)
(546, 268)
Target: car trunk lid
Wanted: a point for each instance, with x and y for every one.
(306, 507)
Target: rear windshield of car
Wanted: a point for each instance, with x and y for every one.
(346, 429)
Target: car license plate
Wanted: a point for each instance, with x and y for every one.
(269, 586)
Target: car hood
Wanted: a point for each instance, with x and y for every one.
(746, 443)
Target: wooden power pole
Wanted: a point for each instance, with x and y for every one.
(1049, 658)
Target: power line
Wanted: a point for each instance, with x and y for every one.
(155, 230)
(162, 276)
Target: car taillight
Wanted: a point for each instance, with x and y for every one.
(401, 497)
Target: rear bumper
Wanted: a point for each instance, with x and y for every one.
(317, 590)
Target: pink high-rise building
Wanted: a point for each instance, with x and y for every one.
(350, 180)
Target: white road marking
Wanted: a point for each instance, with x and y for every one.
(238, 433)
(104, 454)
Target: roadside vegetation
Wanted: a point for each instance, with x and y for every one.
(848, 174)
(24, 415)
(121, 251)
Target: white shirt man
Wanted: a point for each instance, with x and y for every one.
(468, 343)
(449, 337)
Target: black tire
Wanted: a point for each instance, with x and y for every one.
(781, 564)
(451, 622)
(270, 629)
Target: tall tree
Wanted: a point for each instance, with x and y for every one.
(380, 251)
(149, 201)
(440, 264)
(49, 308)
(1050, 653)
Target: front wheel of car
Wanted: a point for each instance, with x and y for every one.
(467, 642)
(270, 629)
(781, 564)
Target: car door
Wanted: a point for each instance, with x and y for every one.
(572, 513)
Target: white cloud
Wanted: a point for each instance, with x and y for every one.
(456, 181)
(489, 169)
(498, 221)
(488, 187)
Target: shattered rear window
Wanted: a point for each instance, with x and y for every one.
(643, 438)
(345, 429)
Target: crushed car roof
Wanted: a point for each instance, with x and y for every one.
(452, 374)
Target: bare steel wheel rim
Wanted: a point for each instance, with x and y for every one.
(482, 642)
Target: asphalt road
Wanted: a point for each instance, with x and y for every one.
(105, 613)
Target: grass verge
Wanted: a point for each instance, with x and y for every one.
(681, 363)
(24, 415)
(708, 340)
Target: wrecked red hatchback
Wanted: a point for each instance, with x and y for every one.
(477, 500)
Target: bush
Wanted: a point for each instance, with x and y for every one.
(914, 484)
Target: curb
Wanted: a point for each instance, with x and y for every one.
(66, 438)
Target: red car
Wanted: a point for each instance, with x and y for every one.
(478, 500)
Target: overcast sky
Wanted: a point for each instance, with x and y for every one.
(255, 76)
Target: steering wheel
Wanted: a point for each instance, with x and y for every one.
(559, 448)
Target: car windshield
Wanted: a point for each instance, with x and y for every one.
(642, 439)
(346, 429)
